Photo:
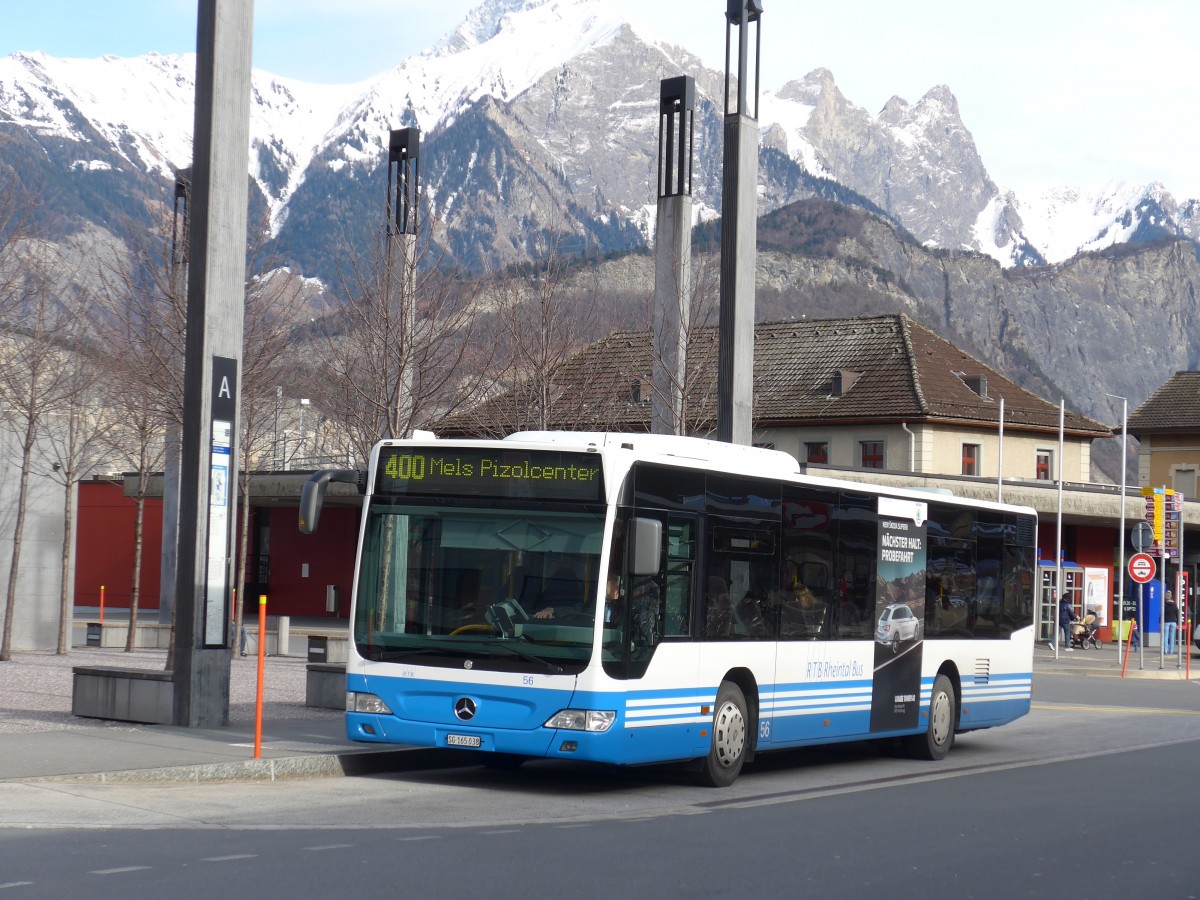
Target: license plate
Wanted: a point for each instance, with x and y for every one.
(463, 740)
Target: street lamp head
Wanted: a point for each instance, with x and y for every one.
(734, 9)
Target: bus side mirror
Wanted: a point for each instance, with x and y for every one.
(313, 494)
(646, 546)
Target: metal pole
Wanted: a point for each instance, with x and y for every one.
(1058, 554)
(275, 455)
(1000, 458)
(1121, 533)
(1142, 620)
(1180, 599)
(1162, 585)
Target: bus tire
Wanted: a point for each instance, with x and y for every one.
(937, 739)
(730, 732)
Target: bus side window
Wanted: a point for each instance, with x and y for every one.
(718, 616)
(645, 605)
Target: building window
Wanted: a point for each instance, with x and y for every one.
(1183, 481)
(970, 459)
(1044, 467)
(816, 452)
(870, 454)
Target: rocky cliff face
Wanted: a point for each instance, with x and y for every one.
(1118, 322)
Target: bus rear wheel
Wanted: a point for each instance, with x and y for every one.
(937, 739)
(727, 752)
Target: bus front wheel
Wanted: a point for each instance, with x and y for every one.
(727, 752)
(937, 739)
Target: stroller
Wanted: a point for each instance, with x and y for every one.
(1084, 633)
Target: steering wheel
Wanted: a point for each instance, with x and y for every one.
(474, 628)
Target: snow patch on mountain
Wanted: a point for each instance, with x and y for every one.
(1061, 221)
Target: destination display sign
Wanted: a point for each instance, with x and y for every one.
(490, 473)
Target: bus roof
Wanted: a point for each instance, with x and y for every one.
(719, 454)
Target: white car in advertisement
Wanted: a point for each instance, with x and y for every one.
(897, 623)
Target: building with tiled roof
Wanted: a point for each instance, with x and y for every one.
(1167, 426)
(874, 392)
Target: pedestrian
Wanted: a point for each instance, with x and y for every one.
(1135, 636)
(1170, 624)
(1066, 616)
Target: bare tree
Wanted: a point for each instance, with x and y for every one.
(273, 301)
(142, 321)
(77, 443)
(33, 381)
(383, 375)
(544, 313)
(705, 293)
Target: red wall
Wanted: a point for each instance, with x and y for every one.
(1089, 546)
(329, 554)
(104, 554)
(104, 547)
(1094, 550)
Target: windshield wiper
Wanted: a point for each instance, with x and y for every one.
(401, 653)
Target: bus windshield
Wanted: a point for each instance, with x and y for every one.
(476, 584)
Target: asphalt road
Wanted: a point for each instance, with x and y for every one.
(1090, 796)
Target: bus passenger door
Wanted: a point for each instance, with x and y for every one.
(660, 605)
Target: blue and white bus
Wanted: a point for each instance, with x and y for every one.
(637, 598)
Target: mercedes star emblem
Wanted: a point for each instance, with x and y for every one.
(464, 708)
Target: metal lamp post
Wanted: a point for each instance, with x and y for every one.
(1121, 531)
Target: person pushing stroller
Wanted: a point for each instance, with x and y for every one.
(1084, 631)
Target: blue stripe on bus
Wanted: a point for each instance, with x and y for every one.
(666, 724)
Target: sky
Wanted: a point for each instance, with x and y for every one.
(1069, 92)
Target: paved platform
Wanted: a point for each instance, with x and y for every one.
(40, 739)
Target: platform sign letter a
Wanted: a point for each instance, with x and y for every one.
(225, 391)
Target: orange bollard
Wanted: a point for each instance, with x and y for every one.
(262, 659)
(101, 604)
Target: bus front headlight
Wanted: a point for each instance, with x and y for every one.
(366, 703)
(597, 720)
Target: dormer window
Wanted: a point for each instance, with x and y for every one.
(977, 383)
(843, 380)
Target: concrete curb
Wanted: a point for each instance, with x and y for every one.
(278, 769)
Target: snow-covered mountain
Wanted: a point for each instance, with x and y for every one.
(538, 115)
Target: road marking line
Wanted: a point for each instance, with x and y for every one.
(228, 858)
(118, 871)
(13, 884)
(328, 847)
(1143, 711)
(422, 837)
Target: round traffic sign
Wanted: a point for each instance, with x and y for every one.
(1141, 567)
(1142, 537)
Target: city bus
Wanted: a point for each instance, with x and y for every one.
(637, 598)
